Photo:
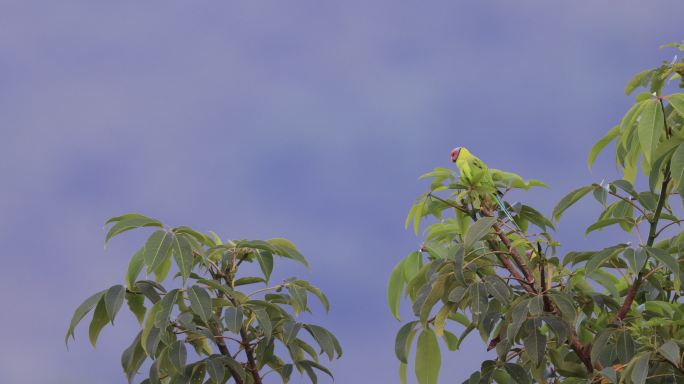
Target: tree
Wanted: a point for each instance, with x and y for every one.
(601, 316)
(209, 310)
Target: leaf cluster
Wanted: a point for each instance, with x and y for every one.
(215, 326)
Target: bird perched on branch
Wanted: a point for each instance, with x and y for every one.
(476, 175)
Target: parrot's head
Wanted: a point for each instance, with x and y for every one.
(454, 154)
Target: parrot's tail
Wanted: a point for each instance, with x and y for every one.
(505, 210)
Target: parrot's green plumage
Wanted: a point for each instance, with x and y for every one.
(476, 174)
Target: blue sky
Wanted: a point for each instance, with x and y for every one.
(309, 120)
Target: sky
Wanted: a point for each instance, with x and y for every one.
(308, 120)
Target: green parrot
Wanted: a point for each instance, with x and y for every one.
(475, 173)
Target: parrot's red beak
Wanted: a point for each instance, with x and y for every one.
(454, 154)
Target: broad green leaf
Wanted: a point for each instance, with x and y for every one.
(607, 222)
(134, 268)
(324, 338)
(428, 358)
(478, 230)
(498, 288)
(157, 249)
(178, 355)
(80, 312)
(668, 260)
(641, 79)
(233, 319)
(113, 300)
(598, 147)
(518, 317)
(670, 351)
(640, 370)
(298, 298)
(650, 129)
(676, 100)
(216, 369)
(570, 199)
(518, 373)
(248, 280)
(677, 166)
(132, 358)
(265, 260)
(148, 324)
(625, 346)
(287, 249)
(166, 304)
(289, 331)
(535, 345)
(100, 319)
(127, 222)
(182, 253)
(479, 300)
(136, 303)
(636, 258)
(200, 303)
(600, 344)
(602, 256)
(264, 321)
(451, 340)
(402, 342)
(395, 286)
(308, 364)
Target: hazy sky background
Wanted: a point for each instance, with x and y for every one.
(309, 120)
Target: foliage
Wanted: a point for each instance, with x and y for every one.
(211, 312)
(613, 315)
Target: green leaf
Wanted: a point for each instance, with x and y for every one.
(535, 345)
(134, 268)
(570, 199)
(100, 319)
(308, 364)
(478, 299)
(478, 230)
(132, 358)
(286, 248)
(676, 100)
(157, 249)
(148, 324)
(498, 288)
(402, 342)
(289, 331)
(598, 147)
(178, 355)
(233, 319)
(518, 373)
(200, 303)
(602, 256)
(324, 338)
(166, 304)
(670, 351)
(677, 166)
(264, 321)
(298, 298)
(136, 303)
(636, 258)
(113, 300)
(565, 306)
(518, 317)
(265, 260)
(625, 346)
(640, 370)
(395, 286)
(641, 79)
(428, 358)
(182, 253)
(668, 260)
(80, 312)
(650, 129)
(607, 222)
(216, 369)
(127, 222)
